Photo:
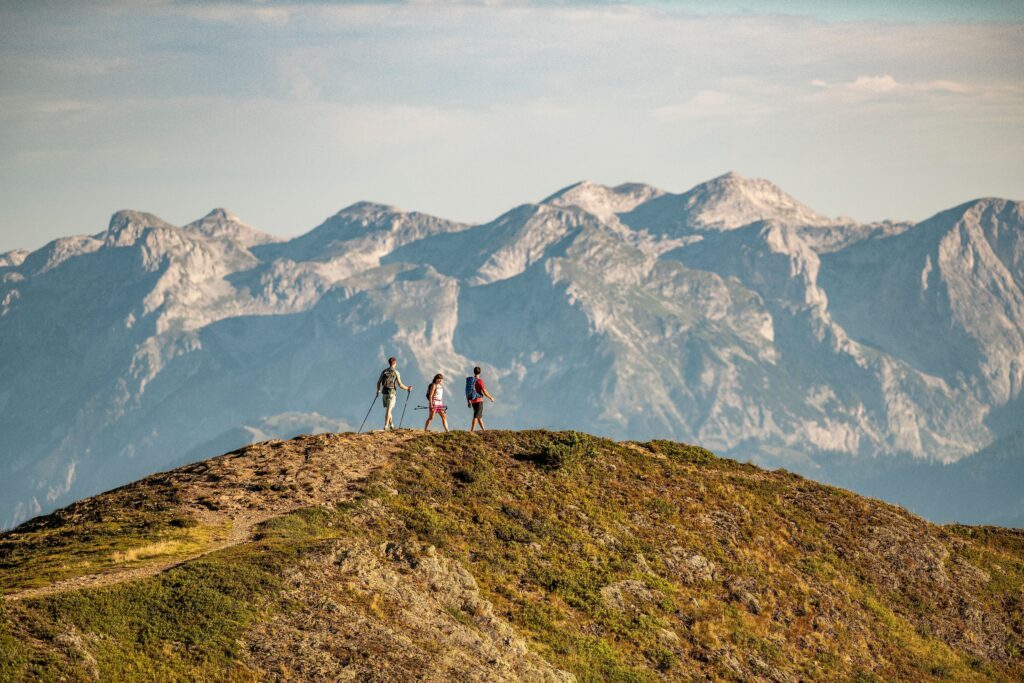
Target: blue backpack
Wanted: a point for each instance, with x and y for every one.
(471, 393)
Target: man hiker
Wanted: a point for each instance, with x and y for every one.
(388, 384)
(475, 393)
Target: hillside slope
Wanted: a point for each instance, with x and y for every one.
(509, 556)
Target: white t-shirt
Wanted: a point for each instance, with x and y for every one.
(438, 395)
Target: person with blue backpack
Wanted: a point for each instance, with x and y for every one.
(475, 393)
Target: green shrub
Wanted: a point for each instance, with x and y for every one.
(564, 449)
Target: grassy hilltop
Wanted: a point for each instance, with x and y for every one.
(508, 556)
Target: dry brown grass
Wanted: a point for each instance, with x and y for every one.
(150, 550)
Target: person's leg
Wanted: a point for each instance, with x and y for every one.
(430, 416)
(481, 421)
(387, 410)
(444, 420)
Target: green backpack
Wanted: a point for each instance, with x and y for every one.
(389, 378)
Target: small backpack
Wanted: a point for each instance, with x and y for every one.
(471, 393)
(390, 379)
(430, 388)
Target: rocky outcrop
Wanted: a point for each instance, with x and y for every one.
(382, 613)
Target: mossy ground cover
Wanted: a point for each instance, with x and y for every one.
(131, 528)
(184, 624)
(46, 556)
(558, 518)
(128, 527)
(617, 562)
(546, 522)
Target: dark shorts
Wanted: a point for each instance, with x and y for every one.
(478, 409)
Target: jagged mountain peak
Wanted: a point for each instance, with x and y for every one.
(601, 200)
(375, 216)
(13, 258)
(996, 218)
(728, 178)
(981, 232)
(220, 214)
(1008, 210)
(734, 181)
(223, 224)
(364, 231)
(127, 225)
(723, 203)
(369, 210)
(126, 218)
(732, 200)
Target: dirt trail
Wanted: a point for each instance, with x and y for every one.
(240, 490)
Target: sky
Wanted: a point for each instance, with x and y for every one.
(286, 112)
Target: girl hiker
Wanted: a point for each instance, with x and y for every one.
(435, 402)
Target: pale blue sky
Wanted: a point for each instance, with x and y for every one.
(286, 112)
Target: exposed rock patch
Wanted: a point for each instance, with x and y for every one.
(392, 612)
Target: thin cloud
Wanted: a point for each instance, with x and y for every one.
(712, 104)
(231, 13)
(881, 87)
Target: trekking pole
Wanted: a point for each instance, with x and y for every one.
(404, 406)
(367, 415)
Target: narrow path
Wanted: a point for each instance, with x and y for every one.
(241, 490)
(241, 531)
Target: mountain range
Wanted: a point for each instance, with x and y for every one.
(730, 315)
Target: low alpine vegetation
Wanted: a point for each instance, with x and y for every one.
(523, 556)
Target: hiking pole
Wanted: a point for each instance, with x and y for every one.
(367, 415)
(404, 406)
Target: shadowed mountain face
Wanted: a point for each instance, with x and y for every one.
(730, 315)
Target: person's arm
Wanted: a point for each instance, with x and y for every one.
(483, 390)
(398, 381)
(430, 395)
(380, 382)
